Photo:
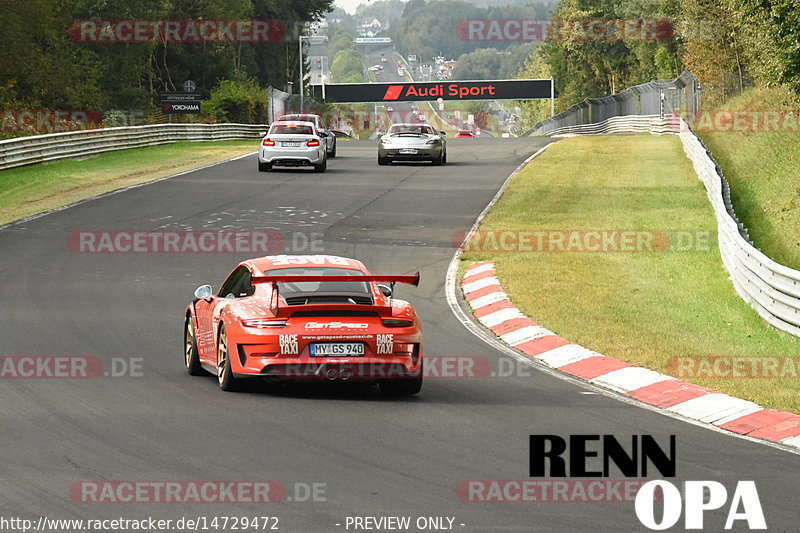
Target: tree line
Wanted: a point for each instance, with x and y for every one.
(728, 45)
(43, 65)
(430, 29)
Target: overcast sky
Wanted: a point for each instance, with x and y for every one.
(349, 5)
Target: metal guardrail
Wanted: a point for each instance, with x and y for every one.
(772, 289)
(624, 124)
(40, 148)
(661, 97)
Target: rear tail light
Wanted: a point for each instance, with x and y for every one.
(432, 141)
(268, 142)
(313, 142)
(397, 322)
(263, 323)
(403, 348)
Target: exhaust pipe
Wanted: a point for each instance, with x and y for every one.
(333, 373)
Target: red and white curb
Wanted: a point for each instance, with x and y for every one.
(492, 307)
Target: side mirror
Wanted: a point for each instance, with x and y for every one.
(262, 133)
(203, 292)
(385, 290)
(443, 133)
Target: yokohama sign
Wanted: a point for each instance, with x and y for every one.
(420, 92)
(180, 103)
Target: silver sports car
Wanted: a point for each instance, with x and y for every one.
(412, 142)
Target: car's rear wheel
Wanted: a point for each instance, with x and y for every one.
(383, 160)
(444, 157)
(191, 356)
(322, 166)
(333, 152)
(438, 160)
(224, 373)
(264, 167)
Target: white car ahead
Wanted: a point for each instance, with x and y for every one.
(293, 144)
(325, 134)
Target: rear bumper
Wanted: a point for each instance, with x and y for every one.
(340, 371)
(423, 154)
(286, 352)
(265, 360)
(292, 157)
(344, 369)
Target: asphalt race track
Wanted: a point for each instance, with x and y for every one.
(375, 457)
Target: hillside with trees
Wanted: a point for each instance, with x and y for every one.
(728, 45)
(41, 67)
(491, 63)
(428, 29)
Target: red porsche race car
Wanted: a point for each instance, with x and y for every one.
(299, 317)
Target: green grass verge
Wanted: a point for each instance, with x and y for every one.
(763, 170)
(644, 308)
(26, 191)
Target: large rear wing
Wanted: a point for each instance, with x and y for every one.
(274, 280)
(409, 280)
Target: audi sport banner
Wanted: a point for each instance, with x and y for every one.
(448, 90)
(180, 103)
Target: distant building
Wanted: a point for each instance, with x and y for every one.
(371, 23)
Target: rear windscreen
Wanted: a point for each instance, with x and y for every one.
(328, 288)
(397, 128)
(291, 128)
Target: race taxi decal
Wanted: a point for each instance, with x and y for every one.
(289, 345)
(385, 343)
